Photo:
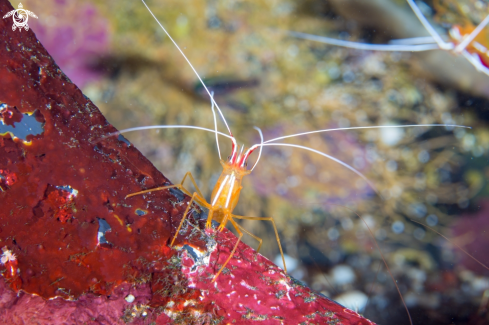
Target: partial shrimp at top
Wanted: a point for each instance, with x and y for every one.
(476, 37)
(468, 40)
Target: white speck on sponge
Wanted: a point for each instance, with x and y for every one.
(7, 256)
(130, 298)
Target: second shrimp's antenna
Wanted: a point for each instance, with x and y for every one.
(441, 43)
(191, 66)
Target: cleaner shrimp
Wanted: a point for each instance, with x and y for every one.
(467, 40)
(289, 51)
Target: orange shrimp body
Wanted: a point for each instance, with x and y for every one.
(479, 46)
(225, 194)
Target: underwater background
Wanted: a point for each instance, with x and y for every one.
(261, 76)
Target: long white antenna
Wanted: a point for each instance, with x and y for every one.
(441, 43)
(261, 147)
(151, 127)
(191, 66)
(413, 40)
(367, 47)
(365, 127)
(324, 155)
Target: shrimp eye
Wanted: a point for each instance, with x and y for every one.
(246, 164)
(229, 157)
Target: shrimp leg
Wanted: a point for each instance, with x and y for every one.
(179, 186)
(197, 197)
(274, 228)
(240, 234)
(258, 239)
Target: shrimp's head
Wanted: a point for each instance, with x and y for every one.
(227, 189)
(237, 164)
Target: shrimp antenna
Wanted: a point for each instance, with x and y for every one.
(441, 43)
(413, 40)
(248, 153)
(215, 123)
(151, 127)
(191, 66)
(367, 47)
(324, 155)
(454, 244)
(365, 127)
